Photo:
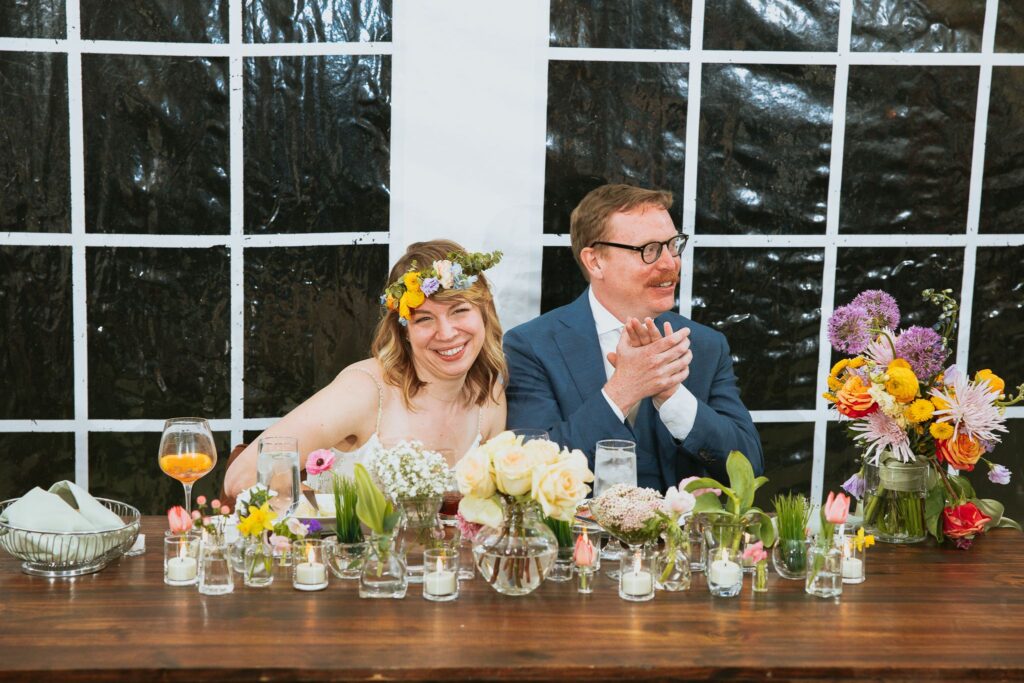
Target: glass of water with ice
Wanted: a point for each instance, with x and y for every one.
(277, 468)
(614, 463)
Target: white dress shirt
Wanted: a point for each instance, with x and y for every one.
(678, 413)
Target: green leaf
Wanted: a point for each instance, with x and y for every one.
(934, 502)
(766, 532)
(991, 508)
(371, 506)
(962, 487)
(741, 480)
(707, 502)
(704, 483)
(1007, 523)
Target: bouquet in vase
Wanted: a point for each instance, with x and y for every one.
(917, 421)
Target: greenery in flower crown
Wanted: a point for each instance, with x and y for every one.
(458, 271)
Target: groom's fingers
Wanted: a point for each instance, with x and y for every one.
(612, 357)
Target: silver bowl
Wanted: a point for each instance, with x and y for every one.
(63, 554)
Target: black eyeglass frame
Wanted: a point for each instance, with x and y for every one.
(682, 236)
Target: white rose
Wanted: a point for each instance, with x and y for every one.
(473, 474)
(559, 489)
(484, 511)
(542, 451)
(513, 470)
(444, 273)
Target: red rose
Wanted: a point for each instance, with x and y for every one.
(963, 520)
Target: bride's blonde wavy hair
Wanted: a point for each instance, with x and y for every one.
(391, 347)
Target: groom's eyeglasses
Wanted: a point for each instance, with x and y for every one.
(651, 251)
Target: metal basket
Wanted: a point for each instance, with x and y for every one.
(62, 554)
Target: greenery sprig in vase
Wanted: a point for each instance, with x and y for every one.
(792, 515)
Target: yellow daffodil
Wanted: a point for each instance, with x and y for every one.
(260, 519)
(919, 411)
(863, 541)
(941, 431)
(995, 382)
(902, 383)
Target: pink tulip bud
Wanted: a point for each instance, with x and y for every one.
(225, 510)
(178, 520)
(837, 507)
(195, 515)
(584, 554)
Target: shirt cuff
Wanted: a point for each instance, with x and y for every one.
(616, 410)
(679, 413)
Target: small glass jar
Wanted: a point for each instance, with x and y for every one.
(789, 557)
(586, 543)
(181, 559)
(724, 572)
(258, 570)
(854, 561)
(440, 574)
(345, 560)
(759, 582)
(309, 565)
(384, 574)
(696, 544)
(673, 569)
(215, 575)
(562, 568)
(824, 569)
(636, 574)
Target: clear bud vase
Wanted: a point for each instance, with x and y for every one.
(824, 568)
(563, 567)
(259, 564)
(384, 570)
(673, 569)
(420, 528)
(854, 561)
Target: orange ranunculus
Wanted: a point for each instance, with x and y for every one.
(853, 400)
(964, 520)
(902, 382)
(961, 452)
(391, 302)
(995, 382)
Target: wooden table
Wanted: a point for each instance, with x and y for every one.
(922, 613)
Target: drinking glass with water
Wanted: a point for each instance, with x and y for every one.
(614, 463)
(277, 468)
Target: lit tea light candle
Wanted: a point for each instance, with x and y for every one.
(182, 568)
(725, 573)
(440, 582)
(310, 575)
(637, 582)
(853, 568)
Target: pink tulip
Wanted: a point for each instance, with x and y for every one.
(584, 554)
(179, 520)
(679, 501)
(837, 507)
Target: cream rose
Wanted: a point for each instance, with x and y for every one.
(513, 470)
(484, 511)
(560, 487)
(473, 474)
(444, 273)
(542, 451)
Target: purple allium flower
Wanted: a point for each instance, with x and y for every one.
(855, 486)
(430, 285)
(848, 329)
(881, 307)
(922, 348)
(997, 474)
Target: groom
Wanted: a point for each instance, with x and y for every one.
(618, 364)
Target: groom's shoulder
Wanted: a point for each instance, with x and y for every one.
(543, 326)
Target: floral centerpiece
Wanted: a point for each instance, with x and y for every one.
(915, 418)
(415, 478)
(266, 535)
(506, 484)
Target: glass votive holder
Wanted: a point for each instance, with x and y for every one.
(696, 544)
(215, 575)
(181, 559)
(440, 574)
(345, 560)
(724, 572)
(636, 574)
(673, 568)
(309, 565)
(854, 560)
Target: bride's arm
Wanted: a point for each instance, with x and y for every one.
(345, 407)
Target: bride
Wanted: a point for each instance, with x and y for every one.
(437, 372)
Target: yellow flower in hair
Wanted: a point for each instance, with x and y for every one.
(902, 383)
(919, 411)
(391, 302)
(941, 431)
(412, 282)
(410, 300)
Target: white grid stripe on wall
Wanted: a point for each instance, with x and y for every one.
(236, 173)
(693, 79)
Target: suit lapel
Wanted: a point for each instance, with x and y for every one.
(577, 342)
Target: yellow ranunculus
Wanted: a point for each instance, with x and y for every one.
(409, 301)
(391, 302)
(856, 362)
(994, 381)
(835, 384)
(919, 411)
(939, 402)
(902, 383)
(412, 281)
(941, 431)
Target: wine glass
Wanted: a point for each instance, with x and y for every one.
(187, 452)
(277, 468)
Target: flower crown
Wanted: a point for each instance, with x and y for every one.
(458, 271)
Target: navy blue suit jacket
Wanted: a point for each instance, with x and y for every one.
(556, 373)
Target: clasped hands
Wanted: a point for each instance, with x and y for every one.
(648, 362)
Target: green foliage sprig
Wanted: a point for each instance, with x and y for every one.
(346, 495)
